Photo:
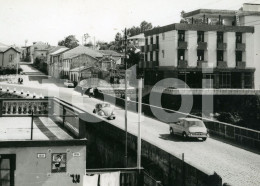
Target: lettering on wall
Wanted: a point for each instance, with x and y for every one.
(75, 178)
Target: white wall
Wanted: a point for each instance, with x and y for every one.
(231, 48)
(212, 49)
(169, 45)
(249, 54)
(191, 38)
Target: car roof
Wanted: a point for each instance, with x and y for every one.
(190, 119)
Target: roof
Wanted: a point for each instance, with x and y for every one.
(44, 129)
(82, 50)
(53, 49)
(139, 36)
(59, 51)
(80, 68)
(110, 53)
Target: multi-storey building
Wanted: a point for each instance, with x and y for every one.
(211, 44)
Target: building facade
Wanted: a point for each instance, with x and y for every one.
(9, 56)
(215, 52)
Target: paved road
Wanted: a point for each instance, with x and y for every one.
(235, 165)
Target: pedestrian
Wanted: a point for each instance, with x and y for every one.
(19, 80)
(91, 92)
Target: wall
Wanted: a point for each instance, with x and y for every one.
(249, 54)
(106, 149)
(231, 48)
(34, 171)
(169, 45)
(191, 38)
(212, 48)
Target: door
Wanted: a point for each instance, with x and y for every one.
(7, 168)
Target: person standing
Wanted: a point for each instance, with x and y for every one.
(91, 92)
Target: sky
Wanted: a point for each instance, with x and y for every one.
(52, 20)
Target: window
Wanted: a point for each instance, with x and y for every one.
(181, 35)
(7, 167)
(248, 80)
(146, 41)
(145, 57)
(151, 40)
(219, 55)
(11, 57)
(224, 80)
(238, 37)
(163, 53)
(238, 56)
(200, 36)
(163, 36)
(157, 40)
(181, 54)
(157, 56)
(219, 37)
(200, 54)
(151, 56)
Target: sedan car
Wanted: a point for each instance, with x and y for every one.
(105, 110)
(69, 84)
(189, 128)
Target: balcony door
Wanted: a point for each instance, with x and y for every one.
(7, 168)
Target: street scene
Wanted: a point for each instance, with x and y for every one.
(124, 97)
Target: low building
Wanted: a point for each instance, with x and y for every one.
(9, 56)
(137, 40)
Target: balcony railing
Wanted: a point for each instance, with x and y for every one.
(202, 45)
(146, 48)
(182, 45)
(241, 64)
(142, 49)
(155, 64)
(182, 64)
(222, 64)
(202, 64)
(221, 46)
(240, 47)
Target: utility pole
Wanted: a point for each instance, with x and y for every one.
(125, 102)
(139, 139)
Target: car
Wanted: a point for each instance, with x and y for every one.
(189, 128)
(105, 110)
(69, 84)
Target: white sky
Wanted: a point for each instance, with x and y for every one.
(52, 20)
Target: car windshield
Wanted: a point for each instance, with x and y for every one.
(196, 124)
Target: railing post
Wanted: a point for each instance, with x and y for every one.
(32, 126)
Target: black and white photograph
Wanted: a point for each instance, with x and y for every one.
(129, 93)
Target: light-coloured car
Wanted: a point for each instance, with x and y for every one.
(69, 84)
(105, 110)
(189, 128)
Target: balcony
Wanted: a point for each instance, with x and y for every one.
(142, 49)
(182, 45)
(241, 65)
(182, 64)
(153, 47)
(241, 47)
(221, 46)
(202, 64)
(155, 64)
(146, 48)
(222, 64)
(202, 45)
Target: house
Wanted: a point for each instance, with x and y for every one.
(50, 52)
(9, 56)
(39, 49)
(137, 40)
(212, 46)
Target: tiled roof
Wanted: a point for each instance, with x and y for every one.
(61, 50)
(110, 52)
(82, 50)
(55, 48)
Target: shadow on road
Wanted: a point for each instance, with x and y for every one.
(177, 138)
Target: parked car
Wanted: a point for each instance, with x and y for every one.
(189, 128)
(69, 84)
(105, 110)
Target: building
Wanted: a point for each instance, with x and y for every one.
(9, 56)
(210, 44)
(137, 40)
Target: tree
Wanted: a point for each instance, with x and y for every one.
(89, 44)
(145, 26)
(69, 41)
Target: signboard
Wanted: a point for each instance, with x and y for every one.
(58, 162)
(76, 154)
(41, 155)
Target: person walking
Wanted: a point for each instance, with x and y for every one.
(82, 91)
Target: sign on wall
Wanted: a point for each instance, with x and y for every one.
(58, 162)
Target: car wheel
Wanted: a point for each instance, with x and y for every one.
(184, 135)
(204, 139)
(94, 111)
(171, 131)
